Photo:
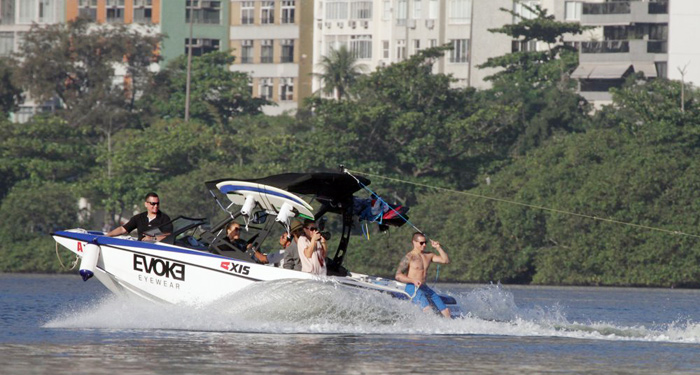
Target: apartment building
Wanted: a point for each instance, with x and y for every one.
(208, 27)
(389, 31)
(16, 18)
(142, 12)
(272, 42)
(683, 49)
(629, 37)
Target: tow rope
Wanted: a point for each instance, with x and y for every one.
(345, 170)
(543, 208)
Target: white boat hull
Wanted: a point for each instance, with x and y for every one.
(166, 273)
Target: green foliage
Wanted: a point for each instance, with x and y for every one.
(530, 138)
(10, 94)
(76, 63)
(536, 83)
(217, 94)
(37, 209)
(406, 121)
(44, 149)
(34, 255)
(141, 159)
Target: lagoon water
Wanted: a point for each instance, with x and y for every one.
(62, 325)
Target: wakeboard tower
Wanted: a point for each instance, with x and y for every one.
(196, 265)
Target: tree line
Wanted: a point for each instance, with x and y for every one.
(530, 139)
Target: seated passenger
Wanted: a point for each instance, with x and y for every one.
(291, 253)
(312, 249)
(233, 236)
(275, 258)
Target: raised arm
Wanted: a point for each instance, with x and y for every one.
(442, 258)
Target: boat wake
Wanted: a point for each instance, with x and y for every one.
(302, 306)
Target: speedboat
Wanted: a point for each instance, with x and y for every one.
(196, 265)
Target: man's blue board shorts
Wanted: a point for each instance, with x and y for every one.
(423, 295)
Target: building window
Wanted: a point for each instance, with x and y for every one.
(143, 11)
(416, 46)
(7, 13)
(265, 88)
(288, 12)
(286, 89)
(247, 12)
(115, 11)
(433, 9)
(287, 50)
(658, 32)
(7, 42)
(385, 49)
(335, 42)
(572, 11)
(401, 13)
(386, 14)
(460, 11)
(521, 9)
(524, 46)
(266, 52)
(361, 10)
(361, 46)
(661, 69)
(267, 12)
(204, 11)
(201, 46)
(432, 43)
(337, 10)
(400, 49)
(247, 52)
(48, 9)
(460, 51)
(417, 10)
(27, 12)
(88, 9)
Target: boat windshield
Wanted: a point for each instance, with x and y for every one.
(187, 232)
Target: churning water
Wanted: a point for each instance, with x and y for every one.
(58, 324)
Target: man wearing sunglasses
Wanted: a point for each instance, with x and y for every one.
(414, 268)
(312, 249)
(152, 218)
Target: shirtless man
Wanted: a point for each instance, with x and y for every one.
(414, 268)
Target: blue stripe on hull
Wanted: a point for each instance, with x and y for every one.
(100, 239)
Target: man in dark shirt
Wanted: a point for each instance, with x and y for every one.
(152, 218)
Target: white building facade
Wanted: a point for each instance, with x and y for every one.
(383, 32)
(16, 18)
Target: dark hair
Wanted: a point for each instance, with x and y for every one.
(307, 222)
(151, 194)
(418, 234)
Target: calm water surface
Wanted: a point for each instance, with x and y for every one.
(61, 325)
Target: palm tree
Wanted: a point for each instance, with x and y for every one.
(340, 71)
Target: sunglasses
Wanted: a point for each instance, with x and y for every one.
(313, 229)
(153, 203)
(421, 242)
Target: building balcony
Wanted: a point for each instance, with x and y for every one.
(624, 50)
(624, 13)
